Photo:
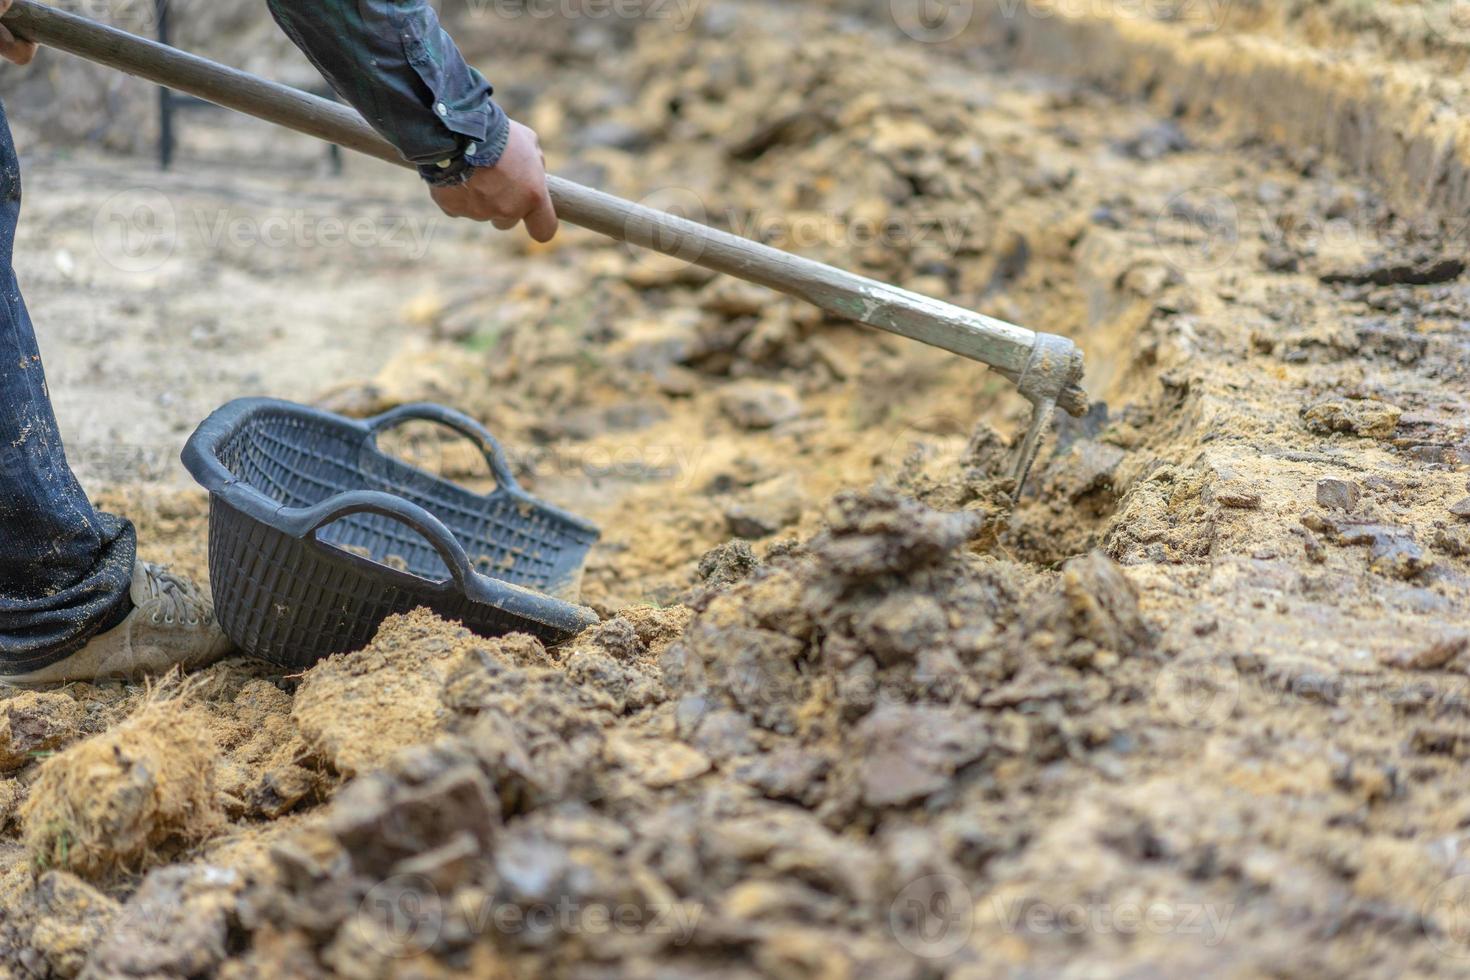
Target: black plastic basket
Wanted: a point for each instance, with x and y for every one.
(316, 535)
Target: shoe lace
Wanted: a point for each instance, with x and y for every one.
(179, 600)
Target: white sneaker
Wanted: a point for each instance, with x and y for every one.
(171, 625)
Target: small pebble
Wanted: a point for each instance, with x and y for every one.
(1278, 259)
(1337, 494)
(1238, 496)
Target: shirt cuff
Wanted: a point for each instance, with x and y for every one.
(456, 170)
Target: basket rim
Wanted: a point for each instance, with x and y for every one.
(201, 458)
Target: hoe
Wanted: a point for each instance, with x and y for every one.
(1047, 368)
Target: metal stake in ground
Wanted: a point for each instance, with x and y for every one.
(1045, 367)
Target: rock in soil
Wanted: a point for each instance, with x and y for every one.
(35, 723)
(759, 404)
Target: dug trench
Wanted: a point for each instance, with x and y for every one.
(1196, 704)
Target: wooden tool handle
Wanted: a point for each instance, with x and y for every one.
(1045, 366)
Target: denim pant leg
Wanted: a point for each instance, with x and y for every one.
(65, 569)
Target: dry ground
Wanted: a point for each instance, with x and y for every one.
(1197, 705)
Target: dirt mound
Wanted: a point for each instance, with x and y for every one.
(124, 799)
(357, 711)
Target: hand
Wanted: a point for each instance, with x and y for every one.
(512, 191)
(11, 48)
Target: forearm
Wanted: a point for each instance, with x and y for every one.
(394, 63)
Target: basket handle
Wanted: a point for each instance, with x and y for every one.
(458, 421)
(308, 522)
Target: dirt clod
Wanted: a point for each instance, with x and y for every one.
(34, 723)
(1337, 494)
(124, 799)
(176, 924)
(1373, 419)
(759, 404)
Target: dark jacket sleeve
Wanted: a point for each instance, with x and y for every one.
(393, 62)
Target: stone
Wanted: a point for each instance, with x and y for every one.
(908, 753)
(657, 763)
(33, 723)
(1430, 657)
(1237, 495)
(1368, 417)
(1337, 494)
(176, 924)
(765, 509)
(753, 404)
(1278, 259)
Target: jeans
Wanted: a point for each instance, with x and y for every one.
(65, 569)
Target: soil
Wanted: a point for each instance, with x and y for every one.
(1196, 705)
